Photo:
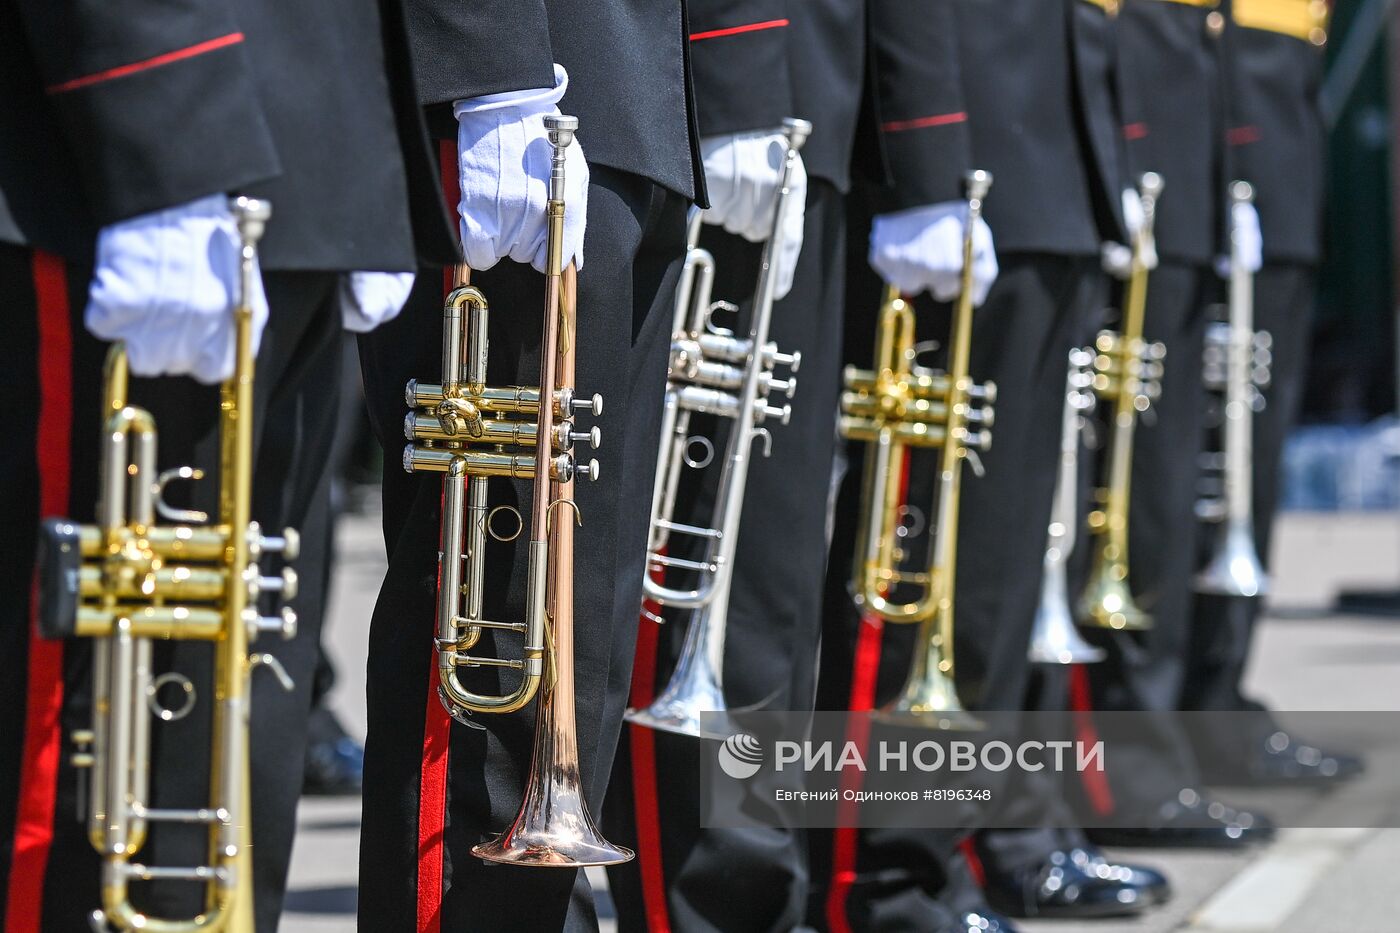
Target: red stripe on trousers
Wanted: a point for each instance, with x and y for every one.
(646, 804)
(865, 670)
(168, 58)
(43, 735)
(974, 861)
(1081, 701)
(845, 837)
(1135, 131)
(437, 725)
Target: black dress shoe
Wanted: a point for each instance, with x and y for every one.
(334, 768)
(1283, 760)
(1077, 884)
(984, 921)
(1154, 885)
(1191, 821)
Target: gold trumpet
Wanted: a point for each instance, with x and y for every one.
(1127, 377)
(127, 582)
(465, 428)
(894, 407)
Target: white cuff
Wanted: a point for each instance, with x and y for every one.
(532, 100)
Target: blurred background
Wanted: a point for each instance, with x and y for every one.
(1330, 639)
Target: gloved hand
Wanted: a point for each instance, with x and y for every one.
(368, 299)
(1245, 232)
(165, 283)
(504, 162)
(742, 173)
(922, 248)
(1117, 258)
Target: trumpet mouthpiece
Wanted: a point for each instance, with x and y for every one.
(1151, 185)
(251, 215)
(1241, 192)
(561, 129)
(796, 131)
(978, 183)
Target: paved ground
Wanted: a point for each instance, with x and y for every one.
(1308, 658)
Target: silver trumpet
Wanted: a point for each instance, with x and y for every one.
(714, 372)
(1055, 639)
(1236, 364)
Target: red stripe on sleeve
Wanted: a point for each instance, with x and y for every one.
(921, 123)
(645, 793)
(738, 30)
(43, 733)
(1135, 131)
(437, 725)
(121, 71)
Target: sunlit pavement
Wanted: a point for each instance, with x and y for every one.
(1306, 658)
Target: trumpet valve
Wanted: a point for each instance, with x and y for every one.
(793, 361)
(565, 437)
(285, 584)
(784, 387)
(593, 403)
(762, 412)
(283, 624)
(288, 544)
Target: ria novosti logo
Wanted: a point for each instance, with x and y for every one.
(740, 756)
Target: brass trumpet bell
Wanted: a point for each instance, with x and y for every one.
(553, 828)
(929, 699)
(1108, 600)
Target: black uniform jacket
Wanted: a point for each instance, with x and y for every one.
(1275, 133)
(1037, 78)
(114, 108)
(627, 62)
(1169, 67)
(878, 79)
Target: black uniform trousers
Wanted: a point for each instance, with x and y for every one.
(744, 879)
(1222, 627)
(1144, 670)
(52, 375)
(1040, 306)
(634, 249)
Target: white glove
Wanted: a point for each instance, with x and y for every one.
(1245, 234)
(165, 283)
(1118, 259)
(504, 161)
(922, 248)
(742, 174)
(368, 299)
